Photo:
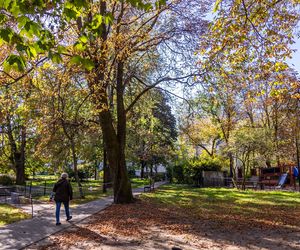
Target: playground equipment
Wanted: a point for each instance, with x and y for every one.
(277, 176)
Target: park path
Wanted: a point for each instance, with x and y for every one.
(26, 232)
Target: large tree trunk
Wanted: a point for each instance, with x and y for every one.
(74, 157)
(231, 165)
(17, 155)
(96, 170)
(107, 180)
(116, 160)
(122, 185)
(114, 139)
(297, 145)
(142, 169)
(19, 165)
(276, 132)
(20, 159)
(115, 146)
(151, 170)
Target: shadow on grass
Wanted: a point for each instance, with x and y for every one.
(10, 214)
(225, 217)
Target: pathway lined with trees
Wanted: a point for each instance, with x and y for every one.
(200, 93)
(29, 231)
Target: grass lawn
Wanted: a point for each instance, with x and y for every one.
(90, 195)
(227, 206)
(50, 180)
(97, 194)
(137, 182)
(10, 214)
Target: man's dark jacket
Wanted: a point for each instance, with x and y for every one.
(63, 190)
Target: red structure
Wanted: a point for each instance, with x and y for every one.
(270, 176)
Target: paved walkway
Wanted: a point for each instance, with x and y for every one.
(23, 233)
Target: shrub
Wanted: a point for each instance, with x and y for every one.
(189, 171)
(160, 177)
(178, 173)
(194, 167)
(131, 172)
(81, 174)
(169, 174)
(6, 180)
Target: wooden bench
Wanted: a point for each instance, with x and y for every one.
(149, 187)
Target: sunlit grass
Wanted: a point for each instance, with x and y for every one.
(137, 182)
(90, 197)
(10, 214)
(212, 198)
(92, 191)
(50, 180)
(231, 208)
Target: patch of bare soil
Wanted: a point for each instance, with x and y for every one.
(144, 225)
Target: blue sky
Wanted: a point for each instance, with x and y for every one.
(295, 61)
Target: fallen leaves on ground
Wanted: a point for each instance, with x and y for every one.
(133, 225)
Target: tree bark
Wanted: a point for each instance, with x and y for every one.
(96, 170)
(106, 173)
(74, 157)
(114, 139)
(297, 146)
(231, 165)
(20, 168)
(142, 169)
(115, 145)
(17, 154)
(122, 185)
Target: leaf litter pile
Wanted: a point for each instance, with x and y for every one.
(147, 224)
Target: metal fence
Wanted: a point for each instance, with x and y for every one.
(9, 193)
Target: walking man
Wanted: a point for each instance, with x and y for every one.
(63, 194)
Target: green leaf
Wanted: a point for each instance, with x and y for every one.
(31, 51)
(70, 14)
(32, 28)
(76, 60)
(15, 9)
(22, 20)
(16, 39)
(217, 6)
(41, 46)
(79, 46)
(6, 34)
(61, 49)
(21, 47)
(5, 4)
(88, 64)
(3, 18)
(83, 39)
(97, 21)
(15, 62)
(148, 7)
(109, 18)
(55, 57)
(80, 3)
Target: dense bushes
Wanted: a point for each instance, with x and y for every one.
(160, 177)
(131, 172)
(81, 174)
(190, 171)
(6, 180)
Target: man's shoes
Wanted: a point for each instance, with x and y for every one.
(69, 218)
(58, 223)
